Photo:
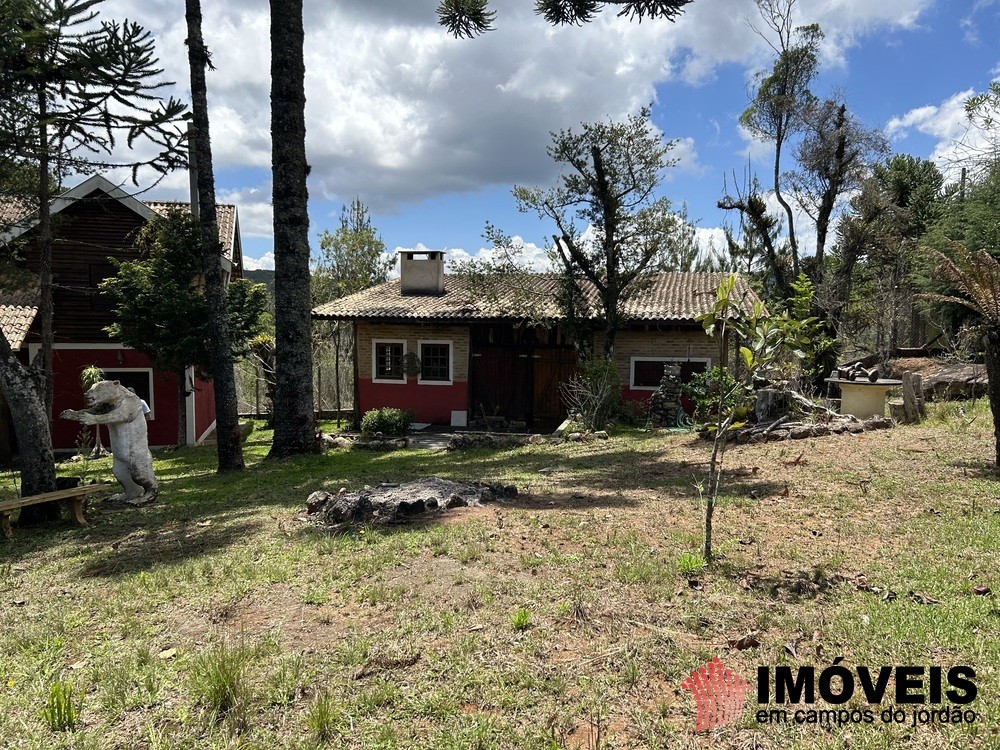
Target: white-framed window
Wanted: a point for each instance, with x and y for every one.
(140, 379)
(436, 362)
(645, 373)
(387, 361)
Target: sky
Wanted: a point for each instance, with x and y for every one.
(432, 133)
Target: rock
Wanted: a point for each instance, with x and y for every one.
(456, 501)
(380, 444)
(877, 423)
(536, 439)
(575, 437)
(777, 435)
(601, 435)
(486, 440)
(335, 441)
(800, 432)
(855, 427)
(316, 501)
(556, 441)
(820, 430)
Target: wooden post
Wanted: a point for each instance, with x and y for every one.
(918, 392)
(910, 400)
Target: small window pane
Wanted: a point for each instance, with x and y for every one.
(648, 374)
(435, 362)
(389, 362)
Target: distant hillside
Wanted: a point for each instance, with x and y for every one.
(261, 277)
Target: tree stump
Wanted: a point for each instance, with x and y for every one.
(896, 410)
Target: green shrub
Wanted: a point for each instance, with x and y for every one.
(705, 389)
(394, 422)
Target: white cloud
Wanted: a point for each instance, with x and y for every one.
(397, 111)
(533, 257)
(263, 263)
(958, 141)
(254, 207)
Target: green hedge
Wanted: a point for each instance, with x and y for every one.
(394, 422)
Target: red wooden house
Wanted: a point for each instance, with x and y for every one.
(93, 222)
(474, 359)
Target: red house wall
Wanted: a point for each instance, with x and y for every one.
(67, 394)
(204, 407)
(429, 403)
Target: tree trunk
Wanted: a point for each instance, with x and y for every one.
(45, 312)
(993, 386)
(21, 389)
(294, 419)
(227, 423)
(792, 241)
(829, 198)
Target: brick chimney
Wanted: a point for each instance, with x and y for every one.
(421, 272)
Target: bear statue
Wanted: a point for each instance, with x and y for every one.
(112, 404)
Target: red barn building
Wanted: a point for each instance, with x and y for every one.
(92, 223)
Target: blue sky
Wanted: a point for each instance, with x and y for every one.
(432, 132)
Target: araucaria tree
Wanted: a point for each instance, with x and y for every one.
(611, 228)
(466, 18)
(77, 88)
(229, 446)
(73, 87)
(294, 419)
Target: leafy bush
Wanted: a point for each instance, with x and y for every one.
(706, 388)
(394, 422)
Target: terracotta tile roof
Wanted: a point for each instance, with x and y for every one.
(669, 297)
(225, 213)
(19, 296)
(12, 209)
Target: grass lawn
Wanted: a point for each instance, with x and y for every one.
(220, 618)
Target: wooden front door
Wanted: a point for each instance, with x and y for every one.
(551, 367)
(501, 383)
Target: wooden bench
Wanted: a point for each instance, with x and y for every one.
(75, 496)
